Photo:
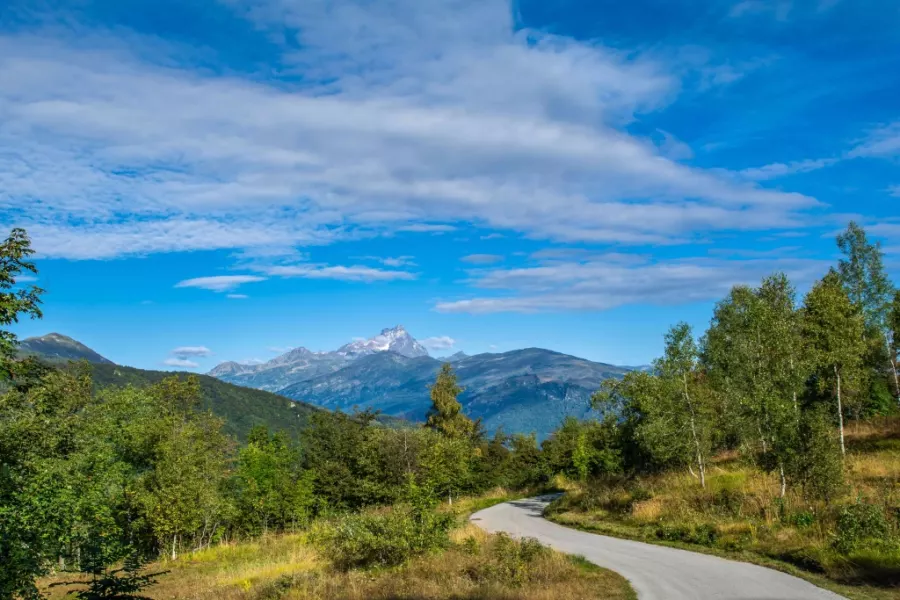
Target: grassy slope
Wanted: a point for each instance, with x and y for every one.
(289, 567)
(741, 508)
(240, 407)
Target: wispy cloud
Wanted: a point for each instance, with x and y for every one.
(482, 259)
(180, 363)
(442, 113)
(219, 283)
(191, 351)
(439, 343)
(894, 190)
(339, 272)
(775, 170)
(882, 142)
(566, 286)
(237, 296)
(279, 349)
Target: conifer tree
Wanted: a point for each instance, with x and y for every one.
(446, 413)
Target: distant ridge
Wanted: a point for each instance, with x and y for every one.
(56, 347)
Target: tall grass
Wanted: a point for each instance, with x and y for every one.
(854, 540)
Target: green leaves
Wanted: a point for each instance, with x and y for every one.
(15, 301)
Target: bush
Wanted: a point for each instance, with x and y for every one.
(859, 523)
(382, 539)
(509, 562)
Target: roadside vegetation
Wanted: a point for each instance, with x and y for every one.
(774, 437)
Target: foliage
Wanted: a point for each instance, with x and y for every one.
(861, 523)
(125, 583)
(382, 539)
(15, 300)
(446, 413)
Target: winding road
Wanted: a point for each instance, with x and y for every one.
(655, 572)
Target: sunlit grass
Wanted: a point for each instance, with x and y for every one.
(740, 512)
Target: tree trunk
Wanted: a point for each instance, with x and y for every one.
(840, 409)
(174, 544)
(700, 466)
(783, 480)
(896, 379)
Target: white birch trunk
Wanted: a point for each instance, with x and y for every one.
(783, 480)
(700, 466)
(840, 410)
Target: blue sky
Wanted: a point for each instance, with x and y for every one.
(221, 180)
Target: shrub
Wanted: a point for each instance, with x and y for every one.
(382, 539)
(859, 523)
(509, 561)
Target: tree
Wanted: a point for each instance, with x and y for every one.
(24, 301)
(833, 329)
(446, 413)
(894, 340)
(670, 409)
(273, 492)
(863, 276)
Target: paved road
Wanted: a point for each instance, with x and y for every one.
(655, 572)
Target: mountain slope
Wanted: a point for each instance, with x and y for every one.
(241, 408)
(55, 347)
(520, 391)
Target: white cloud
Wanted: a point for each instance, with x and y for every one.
(392, 261)
(279, 349)
(427, 228)
(601, 284)
(26, 279)
(775, 170)
(882, 142)
(338, 272)
(482, 259)
(237, 296)
(439, 343)
(894, 191)
(180, 363)
(219, 283)
(411, 116)
(195, 351)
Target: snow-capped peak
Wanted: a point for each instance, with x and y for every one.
(395, 339)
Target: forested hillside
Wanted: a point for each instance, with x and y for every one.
(240, 408)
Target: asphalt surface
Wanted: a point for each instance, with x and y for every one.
(655, 572)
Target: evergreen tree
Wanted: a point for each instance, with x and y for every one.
(446, 413)
(833, 329)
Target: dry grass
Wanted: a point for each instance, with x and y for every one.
(740, 513)
(477, 566)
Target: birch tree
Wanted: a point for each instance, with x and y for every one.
(894, 340)
(670, 408)
(833, 329)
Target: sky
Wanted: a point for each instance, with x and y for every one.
(211, 180)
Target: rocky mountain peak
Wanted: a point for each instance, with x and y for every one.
(395, 339)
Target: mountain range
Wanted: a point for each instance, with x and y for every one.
(528, 390)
